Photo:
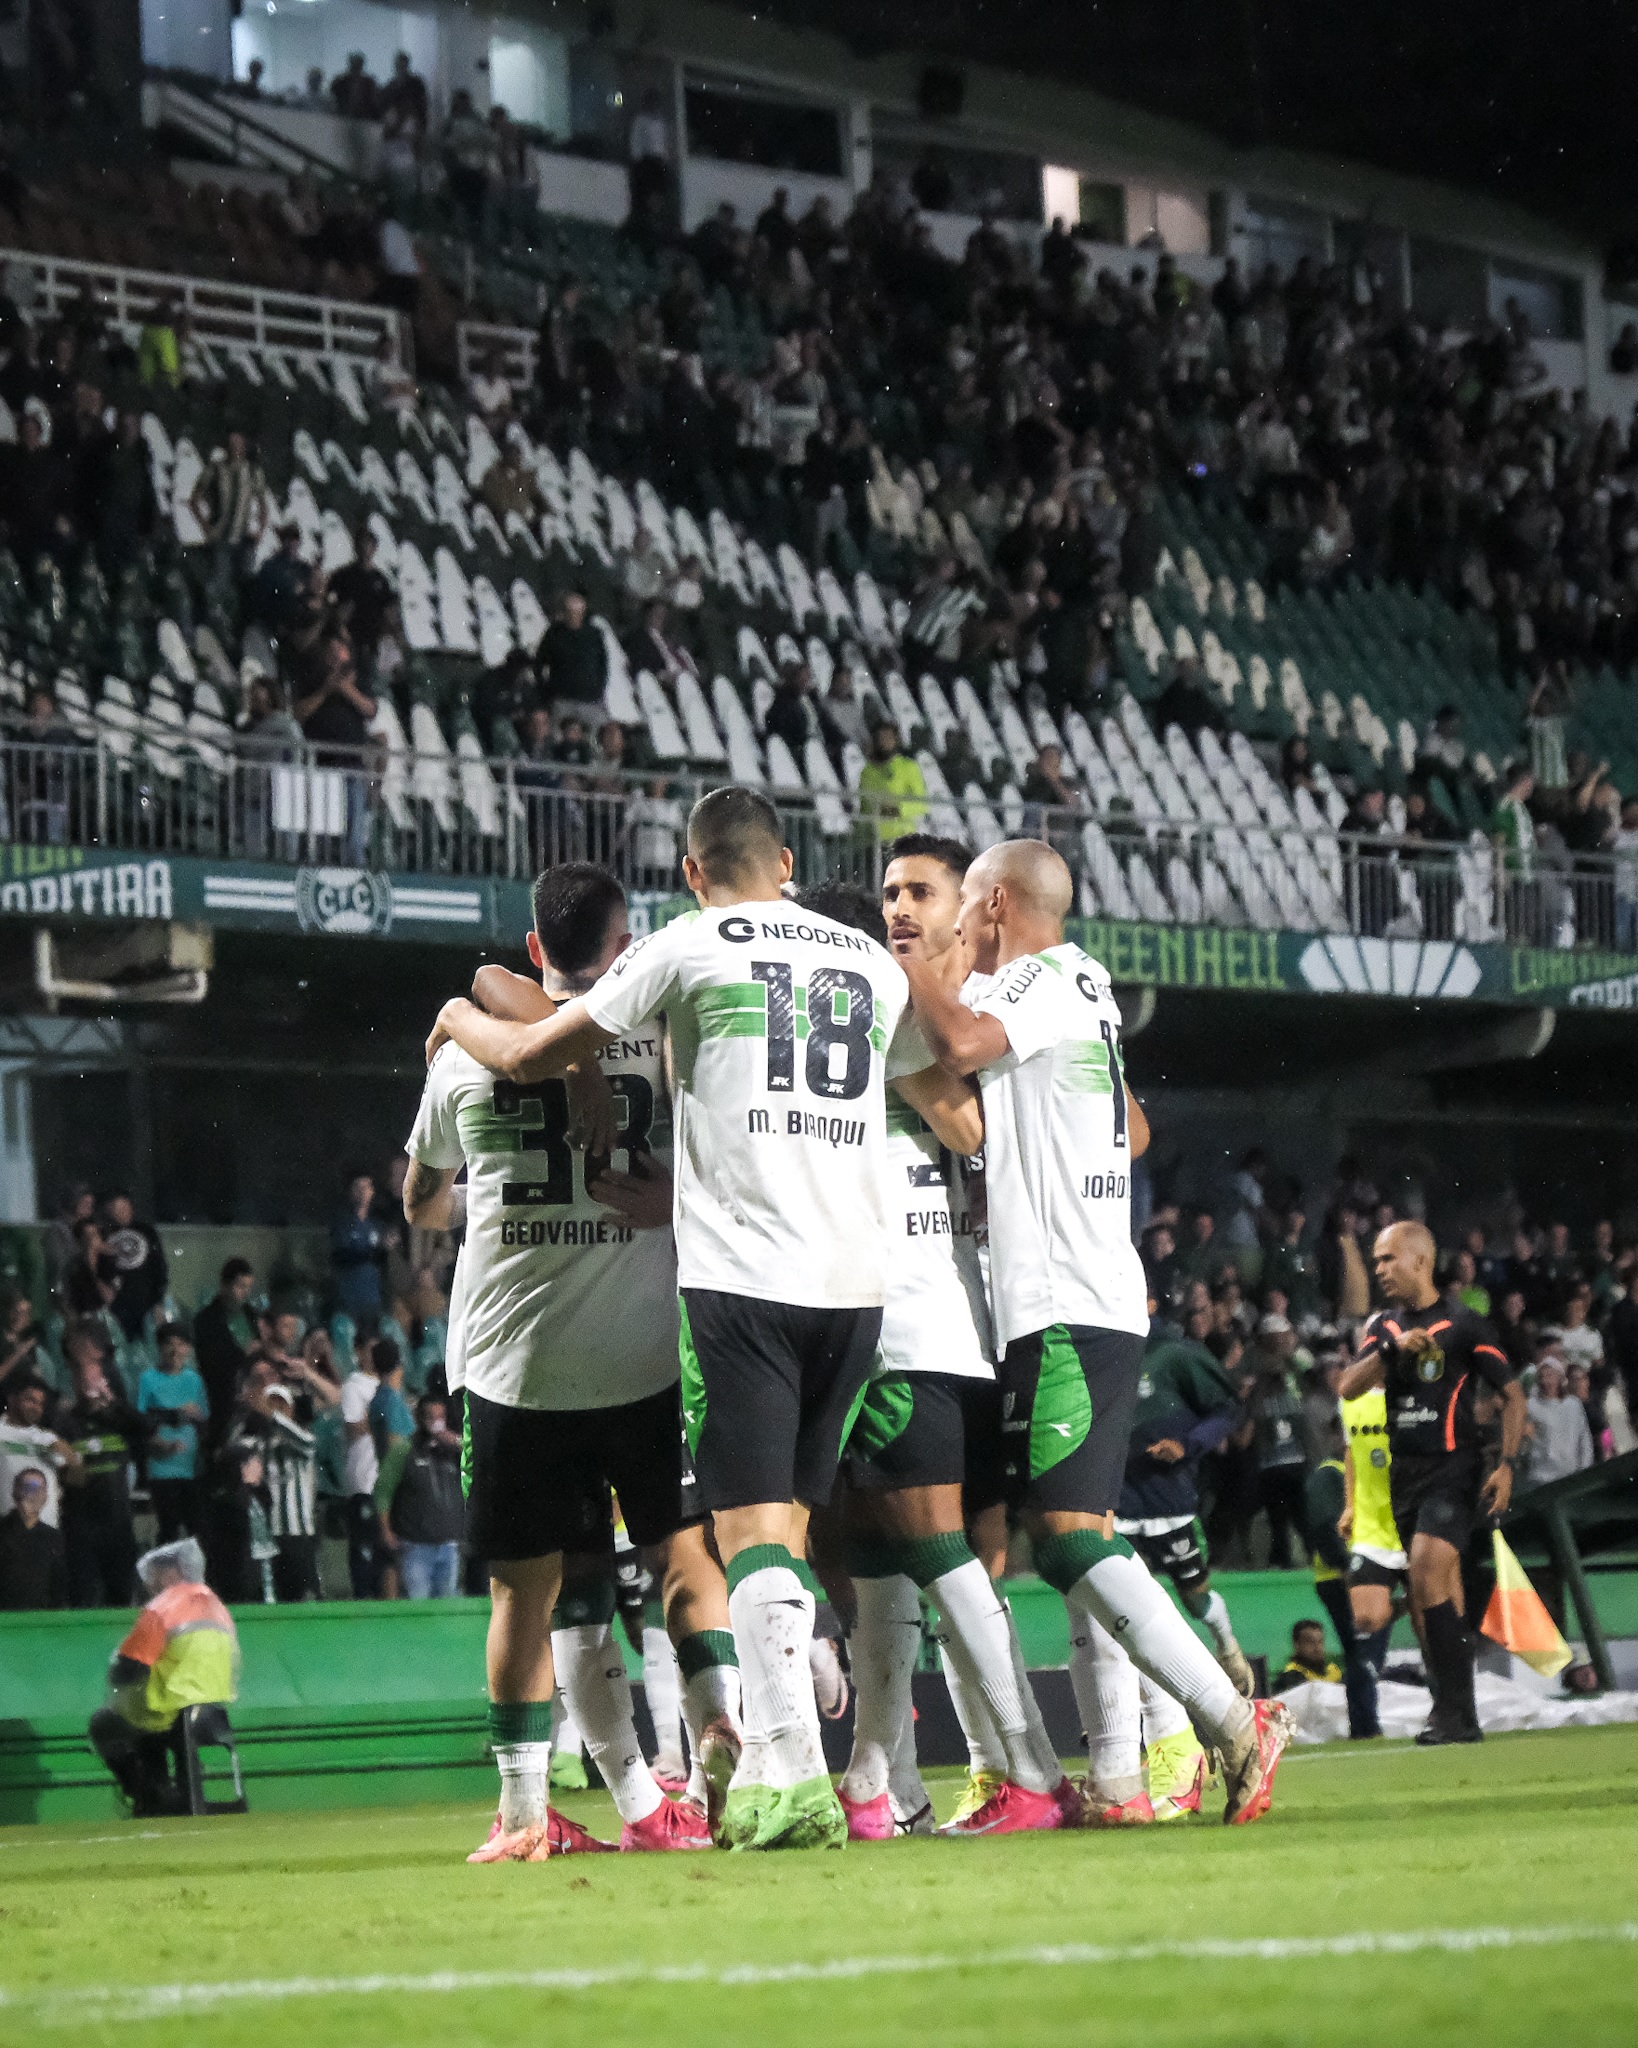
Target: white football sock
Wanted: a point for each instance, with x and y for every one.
(710, 1695)
(662, 1689)
(984, 1747)
(882, 1651)
(772, 1617)
(592, 1674)
(1217, 1621)
(1120, 1594)
(1046, 1751)
(979, 1631)
(566, 1737)
(1162, 1715)
(904, 1783)
(524, 1768)
(1105, 1682)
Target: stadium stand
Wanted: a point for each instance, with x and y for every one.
(1240, 559)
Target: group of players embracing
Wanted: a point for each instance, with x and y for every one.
(802, 1225)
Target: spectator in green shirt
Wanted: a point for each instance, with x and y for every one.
(1511, 826)
(159, 349)
(892, 788)
(1464, 1284)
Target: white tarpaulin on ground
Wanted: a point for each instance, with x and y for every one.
(1321, 1711)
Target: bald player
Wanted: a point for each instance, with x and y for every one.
(1067, 1288)
(1432, 1359)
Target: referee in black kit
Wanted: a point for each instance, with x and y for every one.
(1432, 1359)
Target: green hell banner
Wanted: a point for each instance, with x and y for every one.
(1306, 963)
(79, 885)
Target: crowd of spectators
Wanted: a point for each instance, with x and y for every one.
(261, 1420)
(288, 1426)
(992, 435)
(1279, 1304)
(992, 432)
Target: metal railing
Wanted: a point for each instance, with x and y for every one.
(231, 314)
(463, 815)
(518, 347)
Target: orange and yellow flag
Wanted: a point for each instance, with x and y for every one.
(1517, 1618)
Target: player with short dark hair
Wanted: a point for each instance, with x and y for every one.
(785, 1027)
(925, 1453)
(574, 905)
(1431, 1358)
(563, 1335)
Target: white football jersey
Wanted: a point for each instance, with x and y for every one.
(785, 1027)
(1058, 1164)
(936, 1317)
(557, 1302)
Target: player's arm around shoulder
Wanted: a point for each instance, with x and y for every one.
(522, 1053)
(498, 992)
(962, 1041)
(948, 1104)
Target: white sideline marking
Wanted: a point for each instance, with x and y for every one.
(97, 2004)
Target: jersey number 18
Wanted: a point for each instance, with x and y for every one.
(838, 1010)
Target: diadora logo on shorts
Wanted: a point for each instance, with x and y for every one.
(739, 929)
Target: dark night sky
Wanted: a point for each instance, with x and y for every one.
(1528, 100)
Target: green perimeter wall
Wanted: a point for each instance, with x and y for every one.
(365, 1703)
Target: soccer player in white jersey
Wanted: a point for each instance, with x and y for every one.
(566, 1349)
(1067, 1287)
(785, 1028)
(930, 1422)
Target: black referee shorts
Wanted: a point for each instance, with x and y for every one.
(769, 1393)
(1067, 1396)
(929, 1429)
(538, 1480)
(1435, 1495)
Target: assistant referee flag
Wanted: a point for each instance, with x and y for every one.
(1517, 1618)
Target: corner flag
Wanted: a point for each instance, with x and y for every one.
(1517, 1618)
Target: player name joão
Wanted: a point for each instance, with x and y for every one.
(802, 1123)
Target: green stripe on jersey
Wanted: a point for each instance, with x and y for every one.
(902, 1120)
(1083, 1066)
(739, 1009)
(483, 1135)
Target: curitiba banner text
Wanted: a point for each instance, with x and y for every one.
(70, 884)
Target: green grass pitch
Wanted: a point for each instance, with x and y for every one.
(1531, 1838)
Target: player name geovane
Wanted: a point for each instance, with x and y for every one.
(802, 1123)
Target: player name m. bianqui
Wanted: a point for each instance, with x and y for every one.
(802, 1123)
